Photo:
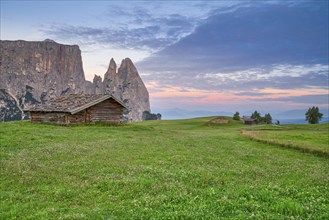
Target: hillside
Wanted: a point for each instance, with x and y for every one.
(188, 169)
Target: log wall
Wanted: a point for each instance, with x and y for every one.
(77, 118)
(48, 117)
(107, 111)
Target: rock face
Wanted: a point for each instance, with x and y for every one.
(33, 72)
(9, 107)
(98, 87)
(127, 86)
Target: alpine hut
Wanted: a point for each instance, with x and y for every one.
(79, 109)
(249, 121)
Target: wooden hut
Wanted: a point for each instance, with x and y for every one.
(79, 109)
(249, 121)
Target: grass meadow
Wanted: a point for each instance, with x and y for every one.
(308, 138)
(179, 169)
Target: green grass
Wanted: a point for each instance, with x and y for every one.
(180, 169)
(308, 138)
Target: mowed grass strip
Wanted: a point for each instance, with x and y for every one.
(307, 138)
(184, 169)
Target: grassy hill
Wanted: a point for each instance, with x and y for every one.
(188, 169)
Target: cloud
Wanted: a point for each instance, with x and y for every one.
(261, 35)
(137, 38)
(322, 99)
(257, 94)
(249, 48)
(151, 27)
(276, 77)
(128, 28)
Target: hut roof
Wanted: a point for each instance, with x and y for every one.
(72, 103)
(248, 118)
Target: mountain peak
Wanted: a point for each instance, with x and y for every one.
(49, 41)
(127, 66)
(112, 67)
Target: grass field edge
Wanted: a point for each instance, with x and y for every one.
(284, 145)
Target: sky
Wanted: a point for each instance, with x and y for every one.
(270, 56)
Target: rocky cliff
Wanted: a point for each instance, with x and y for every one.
(33, 72)
(127, 85)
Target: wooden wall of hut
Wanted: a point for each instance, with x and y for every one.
(108, 111)
(48, 117)
(77, 118)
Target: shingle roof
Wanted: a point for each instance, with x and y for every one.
(71, 103)
(248, 118)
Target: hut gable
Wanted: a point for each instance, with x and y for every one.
(79, 109)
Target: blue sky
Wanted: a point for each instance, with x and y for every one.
(196, 55)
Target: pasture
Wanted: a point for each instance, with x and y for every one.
(179, 169)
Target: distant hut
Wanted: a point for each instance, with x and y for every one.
(249, 121)
(79, 109)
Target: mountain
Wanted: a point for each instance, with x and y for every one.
(33, 72)
(301, 121)
(126, 84)
(297, 116)
(177, 113)
(298, 113)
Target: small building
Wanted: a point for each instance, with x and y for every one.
(249, 121)
(79, 109)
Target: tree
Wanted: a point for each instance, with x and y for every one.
(313, 115)
(150, 116)
(268, 118)
(236, 116)
(256, 116)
